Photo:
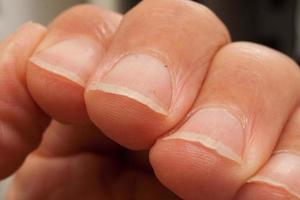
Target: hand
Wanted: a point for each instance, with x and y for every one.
(221, 120)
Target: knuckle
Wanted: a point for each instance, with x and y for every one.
(256, 57)
(180, 12)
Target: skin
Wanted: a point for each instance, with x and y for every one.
(156, 104)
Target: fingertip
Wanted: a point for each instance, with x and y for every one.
(128, 122)
(193, 171)
(54, 93)
(60, 67)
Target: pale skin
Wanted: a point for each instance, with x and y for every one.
(217, 120)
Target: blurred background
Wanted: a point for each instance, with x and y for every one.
(275, 23)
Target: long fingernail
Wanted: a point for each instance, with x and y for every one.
(216, 129)
(142, 78)
(72, 59)
(283, 172)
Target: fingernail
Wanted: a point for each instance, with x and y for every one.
(142, 78)
(215, 129)
(72, 59)
(283, 172)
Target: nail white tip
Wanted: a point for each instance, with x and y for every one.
(207, 142)
(273, 183)
(123, 91)
(293, 152)
(58, 71)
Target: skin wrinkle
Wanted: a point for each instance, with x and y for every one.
(252, 116)
(248, 122)
(248, 119)
(104, 33)
(208, 63)
(100, 27)
(180, 84)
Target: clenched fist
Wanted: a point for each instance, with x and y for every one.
(218, 120)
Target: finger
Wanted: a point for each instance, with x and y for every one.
(61, 140)
(153, 70)
(69, 158)
(85, 176)
(21, 121)
(72, 161)
(280, 178)
(81, 176)
(58, 70)
(247, 97)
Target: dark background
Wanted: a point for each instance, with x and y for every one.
(269, 22)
